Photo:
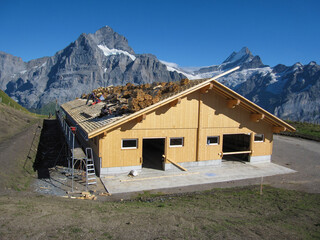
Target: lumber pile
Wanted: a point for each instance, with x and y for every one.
(88, 196)
(131, 98)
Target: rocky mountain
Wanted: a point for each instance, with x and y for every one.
(104, 58)
(289, 92)
(100, 59)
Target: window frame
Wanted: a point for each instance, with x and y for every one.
(129, 139)
(213, 144)
(173, 138)
(261, 134)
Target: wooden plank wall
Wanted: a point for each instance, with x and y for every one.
(182, 120)
(165, 122)
(217, 119)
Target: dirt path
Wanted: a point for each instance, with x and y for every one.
(14, 152)
(300, 155)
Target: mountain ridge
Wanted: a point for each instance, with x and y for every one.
(105, 58)
(78, 68)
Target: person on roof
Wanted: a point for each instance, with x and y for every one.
(91, 96)
(94, 98)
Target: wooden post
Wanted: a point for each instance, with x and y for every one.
(198, 127)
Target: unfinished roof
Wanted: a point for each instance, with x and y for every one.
(88, 117)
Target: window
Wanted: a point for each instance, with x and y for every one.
(214, 140)
(176, 142)
(129, 143)
(259, 137)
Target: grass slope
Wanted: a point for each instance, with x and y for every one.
(13, 121)
(45, 110)
(305, 130)
(5, 99)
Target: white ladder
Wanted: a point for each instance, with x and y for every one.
(90, 171)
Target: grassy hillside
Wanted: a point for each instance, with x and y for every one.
(305, 130)
(13, 121)
(41, 113)
(5, 99)
(13, 117)
(45, 110)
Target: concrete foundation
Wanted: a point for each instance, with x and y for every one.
(150, 179)
(115, 170)
(260, 159)
(170, 166)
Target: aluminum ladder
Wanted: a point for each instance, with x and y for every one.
(90, 171)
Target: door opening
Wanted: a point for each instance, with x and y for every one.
(233, 143)
(152, 151)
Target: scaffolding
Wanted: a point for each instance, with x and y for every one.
(77, 154)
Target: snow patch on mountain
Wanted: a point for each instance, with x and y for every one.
(108, 52)
(189, 72)
(236, 78)
(173, 67)
(276, 87)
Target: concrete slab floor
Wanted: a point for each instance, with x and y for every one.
(150, 179)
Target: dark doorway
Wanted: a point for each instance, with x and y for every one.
(236, 143)
(152, 151)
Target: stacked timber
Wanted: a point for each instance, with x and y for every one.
(132, 98)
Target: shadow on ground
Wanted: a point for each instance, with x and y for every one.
(51, 149)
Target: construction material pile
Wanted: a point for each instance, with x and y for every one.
(131, 98)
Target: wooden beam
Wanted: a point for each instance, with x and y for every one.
(232, 103)
(277, 129)
(256, 117)
(175, 102)
(176, 164)
(141, 118)
(104, 134)
(206, 88)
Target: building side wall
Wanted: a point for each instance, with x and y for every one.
(216, 119)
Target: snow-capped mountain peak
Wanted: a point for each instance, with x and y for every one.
(244, 55)
(243, 58)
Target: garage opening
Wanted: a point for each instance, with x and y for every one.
(236, 147)
(152, 151)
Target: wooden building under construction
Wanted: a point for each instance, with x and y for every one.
(198, 126)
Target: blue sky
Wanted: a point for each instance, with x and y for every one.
(189, 33)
